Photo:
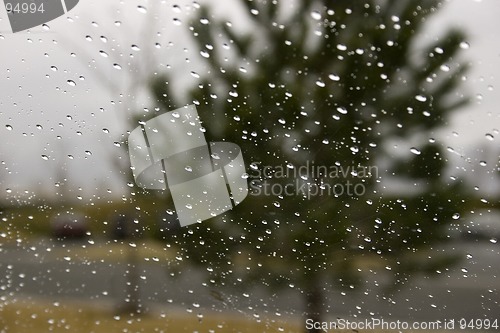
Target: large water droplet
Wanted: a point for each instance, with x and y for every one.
(334, 77)
(316, 15)
(464, 45)
(420, 98)
(415, 151)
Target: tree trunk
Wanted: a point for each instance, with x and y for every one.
(314, 305)
(133, 281)
(131, 305)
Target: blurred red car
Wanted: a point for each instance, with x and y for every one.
(69, 225)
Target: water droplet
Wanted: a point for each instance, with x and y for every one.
(316, 15)
(104, 54)
(464, 45)
(71, 83)
(455, 216)
(117, 66)
(341, 47)
(342, 110)
(445, 68)
(135, 47)
(415, 151)
(45, 157)
(8, 127)
(334, 77)
(421, 98)
(489, 137)
(142, 9)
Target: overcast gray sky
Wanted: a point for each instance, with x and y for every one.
(45, 117)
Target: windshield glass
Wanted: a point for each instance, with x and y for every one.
(249, 166)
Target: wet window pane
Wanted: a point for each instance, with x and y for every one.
(249, 166)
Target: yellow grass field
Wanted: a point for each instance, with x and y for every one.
(40, 316)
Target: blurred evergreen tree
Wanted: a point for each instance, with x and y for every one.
(335, 84)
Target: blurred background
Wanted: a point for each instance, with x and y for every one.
(406, 88)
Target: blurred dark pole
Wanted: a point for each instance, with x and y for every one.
(314, 303)
(123, 230)
(132, 301)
